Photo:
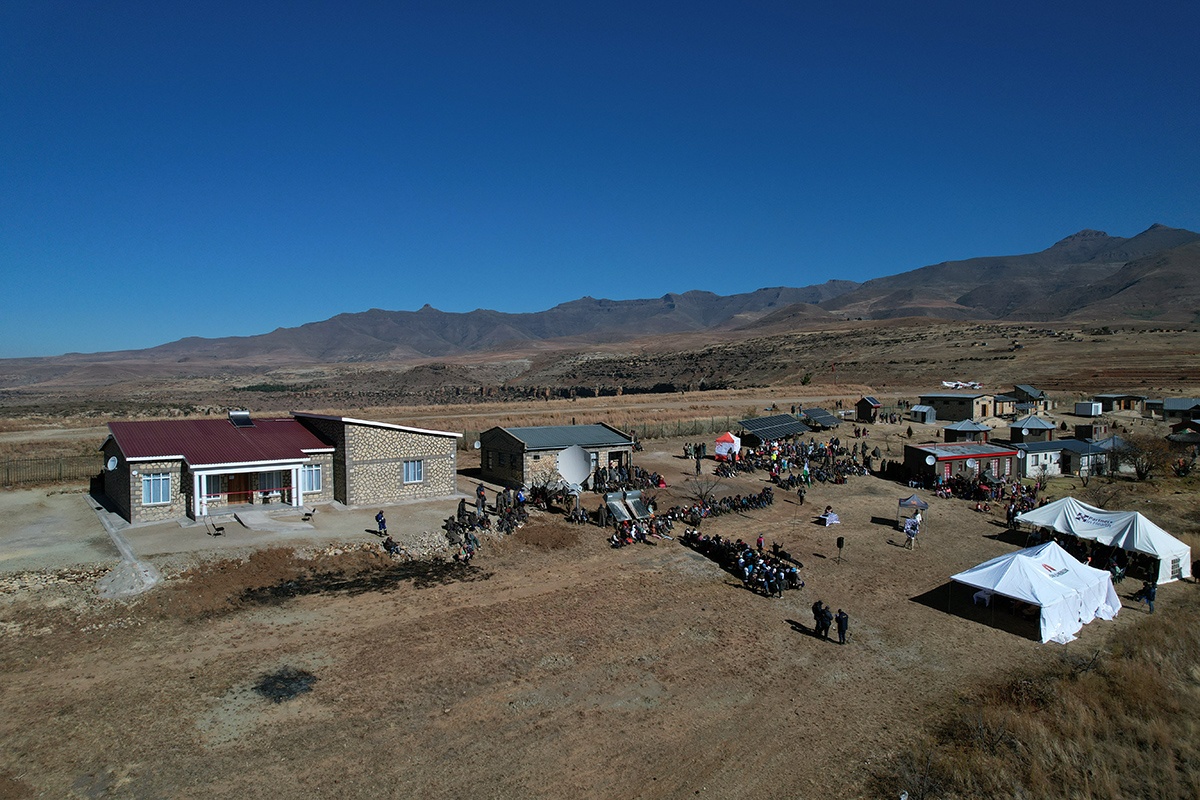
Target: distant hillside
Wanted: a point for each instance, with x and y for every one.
(397, 335)
(1076, 277)
(1089, 276)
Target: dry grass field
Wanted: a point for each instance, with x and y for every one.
(555, 666)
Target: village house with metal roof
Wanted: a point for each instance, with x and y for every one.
(523, 456)
(159, 470)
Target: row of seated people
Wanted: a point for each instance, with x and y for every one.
(631, 531)
(766, 573)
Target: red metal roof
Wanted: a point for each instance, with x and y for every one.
(216, 441)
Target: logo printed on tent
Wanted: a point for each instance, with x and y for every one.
(1055, 573)
(1088, 519)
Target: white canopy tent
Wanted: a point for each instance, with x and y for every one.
(1127, 530)
(727, 447)
(1068, 593)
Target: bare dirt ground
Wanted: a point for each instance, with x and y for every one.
(553, 666)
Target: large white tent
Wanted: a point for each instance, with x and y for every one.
(1070, 594)
(1127, 530)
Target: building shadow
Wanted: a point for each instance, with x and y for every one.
(958, 600)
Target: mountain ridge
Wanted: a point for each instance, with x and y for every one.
(1087, 275)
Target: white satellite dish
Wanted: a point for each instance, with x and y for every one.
(112, 463)
(477, 444)
(972, 463)
(574, 464)
(1024, 431)
(1020, 455)
(931, 460)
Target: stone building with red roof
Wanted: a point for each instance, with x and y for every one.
(166, 469)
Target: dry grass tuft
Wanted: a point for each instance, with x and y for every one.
(1118, 724)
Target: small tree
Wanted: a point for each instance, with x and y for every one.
(701, 488)
(1146, 453)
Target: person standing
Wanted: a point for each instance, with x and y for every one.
(843, 622)
(759, 543)
(817, 611)
(1148, 593)
(826, 621)
(382, 523)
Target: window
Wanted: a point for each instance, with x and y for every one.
(156, 488)
(310, 478)
(414, 471)
(212, 487)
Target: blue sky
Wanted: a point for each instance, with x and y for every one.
(226, 168)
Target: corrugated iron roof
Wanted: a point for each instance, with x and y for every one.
(1029, 390)
(558, 437)
(1033, 423)
(774, 427)
(964, 450)
(968, 426)
(201, 442)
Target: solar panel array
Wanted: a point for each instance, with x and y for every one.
(776, 427)
(821, 417)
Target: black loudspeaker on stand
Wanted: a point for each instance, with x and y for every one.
(841, 542)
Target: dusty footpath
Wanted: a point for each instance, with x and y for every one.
(553, 666)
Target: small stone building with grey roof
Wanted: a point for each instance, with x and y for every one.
(1180, 409)
(966, 430)
(1031, 399)
(1031, 429)
(525, 456)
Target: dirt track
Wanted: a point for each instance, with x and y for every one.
(553, 667)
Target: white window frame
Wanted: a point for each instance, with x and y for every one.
(414, 471)
(212, 487)
(156, 484)
(310, 478)
(270, 481)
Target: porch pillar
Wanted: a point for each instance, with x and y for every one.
(199, 506)
(297, 500)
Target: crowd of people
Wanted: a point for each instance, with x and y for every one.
(767, 573)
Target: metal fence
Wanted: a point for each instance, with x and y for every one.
(22, 471)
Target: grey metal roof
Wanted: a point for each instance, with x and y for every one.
(1117, 396)
(1029, 390)
(558, 437)
(1083, 448)
(1180, 403)
(1033, 423)
(963, 449)
(1004, 398)
(774, 427)
(1041, 447)
(968, 426)
(922, 409)
(820, 416)
(955, 395)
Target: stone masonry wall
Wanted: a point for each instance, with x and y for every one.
(375, 459)
(177, 507)
(334, 432)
